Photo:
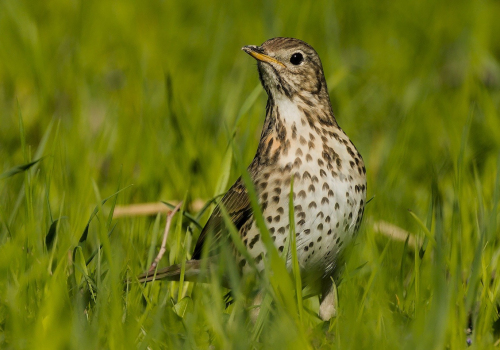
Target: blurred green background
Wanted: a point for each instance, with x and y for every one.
(114, 93)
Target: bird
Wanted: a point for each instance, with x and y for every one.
(300, 139)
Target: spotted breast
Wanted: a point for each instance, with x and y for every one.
(329, 187)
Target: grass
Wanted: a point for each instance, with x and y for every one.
(155, 101)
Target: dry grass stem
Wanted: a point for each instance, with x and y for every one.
(394, 232)
(148, 209)
(165, 236)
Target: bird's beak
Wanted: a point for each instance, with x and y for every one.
(253, 51)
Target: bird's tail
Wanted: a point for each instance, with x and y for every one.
(173, 273)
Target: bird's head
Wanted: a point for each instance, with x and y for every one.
(288, 67)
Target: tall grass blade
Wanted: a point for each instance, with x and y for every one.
(18, 169)
(294, 259)
(85, 233)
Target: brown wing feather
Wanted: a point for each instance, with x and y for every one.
(238, 206)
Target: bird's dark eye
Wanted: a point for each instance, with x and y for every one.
(296, 58)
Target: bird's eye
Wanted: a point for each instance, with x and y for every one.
(296, 59)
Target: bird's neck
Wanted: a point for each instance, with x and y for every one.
(299, 112)
(293, 119)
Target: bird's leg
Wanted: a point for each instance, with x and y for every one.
(329, 300)
(256, 302)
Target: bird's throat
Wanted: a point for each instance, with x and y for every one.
(291, 120)
(297, 114)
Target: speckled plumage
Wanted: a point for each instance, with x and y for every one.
(300, 138)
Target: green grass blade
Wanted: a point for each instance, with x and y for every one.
(18, 169)
(85, 233)
(293, 247)
(424, 228)
(185, 214)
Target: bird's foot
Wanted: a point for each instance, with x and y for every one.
(329, 303)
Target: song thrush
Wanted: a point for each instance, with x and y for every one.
(300, 138)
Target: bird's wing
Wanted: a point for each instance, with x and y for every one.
(238, 207)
